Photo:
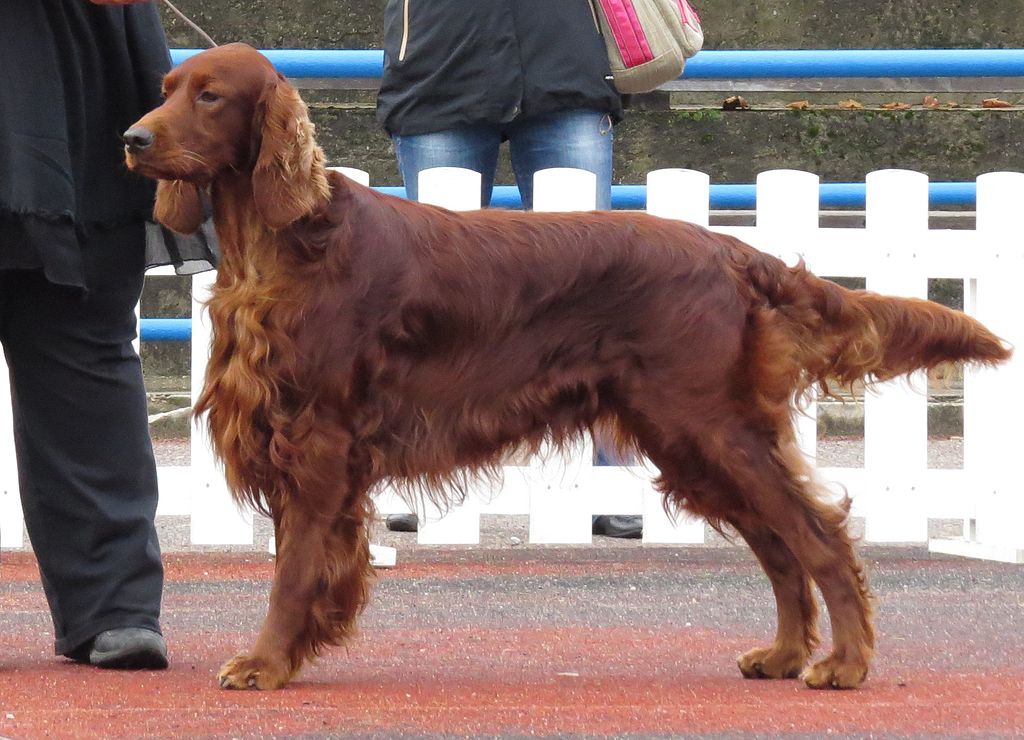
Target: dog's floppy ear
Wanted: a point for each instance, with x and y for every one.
(178, 206)
(288, 180)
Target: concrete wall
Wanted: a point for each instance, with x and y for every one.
(766, 24)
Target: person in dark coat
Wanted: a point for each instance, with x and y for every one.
(74, 244)
(461, 76)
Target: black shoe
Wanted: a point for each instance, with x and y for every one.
(124, 648)
(623, 527)
(403, 522)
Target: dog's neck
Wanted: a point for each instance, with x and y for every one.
(246, 239)
(235, 215)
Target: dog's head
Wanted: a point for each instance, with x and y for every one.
(227, 111)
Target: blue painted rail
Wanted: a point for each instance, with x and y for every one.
(367, 64)
(165, 330)
(743, 196)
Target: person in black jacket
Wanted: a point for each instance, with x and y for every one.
(461, 76)
(73, 249)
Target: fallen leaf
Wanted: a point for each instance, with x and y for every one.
(896, 106)
(850, 104)
(994, 103)
(799, 105)
(735, 102)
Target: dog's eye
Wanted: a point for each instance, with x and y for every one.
(208, 97)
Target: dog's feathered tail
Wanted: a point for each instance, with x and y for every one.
(842, 336)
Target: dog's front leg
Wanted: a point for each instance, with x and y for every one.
(320, 586)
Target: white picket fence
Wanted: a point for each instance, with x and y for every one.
(895, 492)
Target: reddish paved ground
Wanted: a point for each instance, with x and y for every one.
(538, 641)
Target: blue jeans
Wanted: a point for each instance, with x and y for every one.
(580, 139)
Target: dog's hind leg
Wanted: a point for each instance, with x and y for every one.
(694, 485)
(797, 633)
(780, 494)
(746, 478)
(320, 586)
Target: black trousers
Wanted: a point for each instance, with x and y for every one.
(85, 459)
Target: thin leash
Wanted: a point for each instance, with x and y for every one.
(195, 27)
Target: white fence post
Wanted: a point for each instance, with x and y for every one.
(787, 215)
(456, 189)
(560, 504)
(993, 405)
(12, 527)
(680, 194)
(360, 176)
(174, 482)
(896, 413)
(683, 195)
(564, 189)
(215, 518)
(380, 555)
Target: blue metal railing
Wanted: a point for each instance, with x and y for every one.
(743, 196)
(711, 64)
(165, 330)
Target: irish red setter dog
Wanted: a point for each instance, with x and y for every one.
(361, 338)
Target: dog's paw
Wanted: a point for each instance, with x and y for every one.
(771, 663)
(247, 672)
(831, 673)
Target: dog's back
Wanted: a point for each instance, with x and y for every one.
(543, 324)
(489, 327)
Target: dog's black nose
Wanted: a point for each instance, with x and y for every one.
(137, 138)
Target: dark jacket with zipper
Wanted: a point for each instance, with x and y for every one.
(454, 62)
